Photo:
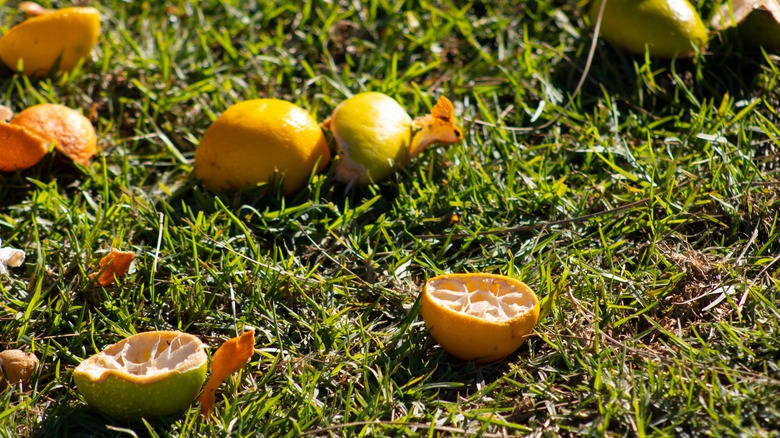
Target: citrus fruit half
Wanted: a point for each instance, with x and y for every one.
(61, 38)
(480, 317)
(260, 140)
(150, 374)
(667, 28)
(71, 132)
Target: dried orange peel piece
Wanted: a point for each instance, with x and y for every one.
(229, 358)
(113, 265)
(481, 317)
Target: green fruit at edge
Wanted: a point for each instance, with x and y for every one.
(667, 28)
(126, 394)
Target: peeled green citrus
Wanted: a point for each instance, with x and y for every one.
(667, 28)
(151, 374)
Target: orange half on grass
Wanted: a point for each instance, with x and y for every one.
(480, 317)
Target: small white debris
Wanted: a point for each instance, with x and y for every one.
(10, 257)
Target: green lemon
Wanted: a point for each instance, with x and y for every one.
(667, 28)
(373, 133)
(151, 374)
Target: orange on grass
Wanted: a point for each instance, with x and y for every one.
(19, 148)
(259, 141)
(150, 374)
(71, 132)
(480, 317)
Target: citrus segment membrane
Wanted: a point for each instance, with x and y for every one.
(486, 298)
(147, 358)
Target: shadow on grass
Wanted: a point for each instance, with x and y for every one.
(61, 419)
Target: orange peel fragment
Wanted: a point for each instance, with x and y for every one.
(19, 148)
(113, 265)
(229, 358)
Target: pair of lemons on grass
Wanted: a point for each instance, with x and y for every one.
(275, 141)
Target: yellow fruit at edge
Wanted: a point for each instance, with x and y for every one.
(260, 140)
(373, 133)
(481, 317)
(668, 28)
(150, 374)
(63, 38)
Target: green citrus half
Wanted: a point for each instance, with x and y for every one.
(150, 374)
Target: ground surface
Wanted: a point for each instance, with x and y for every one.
(645, 218)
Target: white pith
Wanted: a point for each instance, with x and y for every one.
(147, 356)
(487, 298)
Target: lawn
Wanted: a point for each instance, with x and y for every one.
(645, 216)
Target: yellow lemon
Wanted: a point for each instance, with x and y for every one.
(667, 28)
(375, 135)
(260, 140)
(72, 133)
(62, 38)
(150, 374)
(480, 317)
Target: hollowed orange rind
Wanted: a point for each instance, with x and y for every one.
(479, 317)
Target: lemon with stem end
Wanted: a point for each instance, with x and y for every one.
(260, 141)
(150, 374)
(480, 317)
(375, 135)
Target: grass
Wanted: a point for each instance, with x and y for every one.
(645, 218)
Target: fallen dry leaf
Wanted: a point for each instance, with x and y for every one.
(113, 266)
(229, 358)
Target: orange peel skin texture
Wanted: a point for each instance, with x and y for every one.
(112, 266)
(229, 358)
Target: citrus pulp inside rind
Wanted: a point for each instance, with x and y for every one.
(481, 317)
(373, 134)
(150, 374)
